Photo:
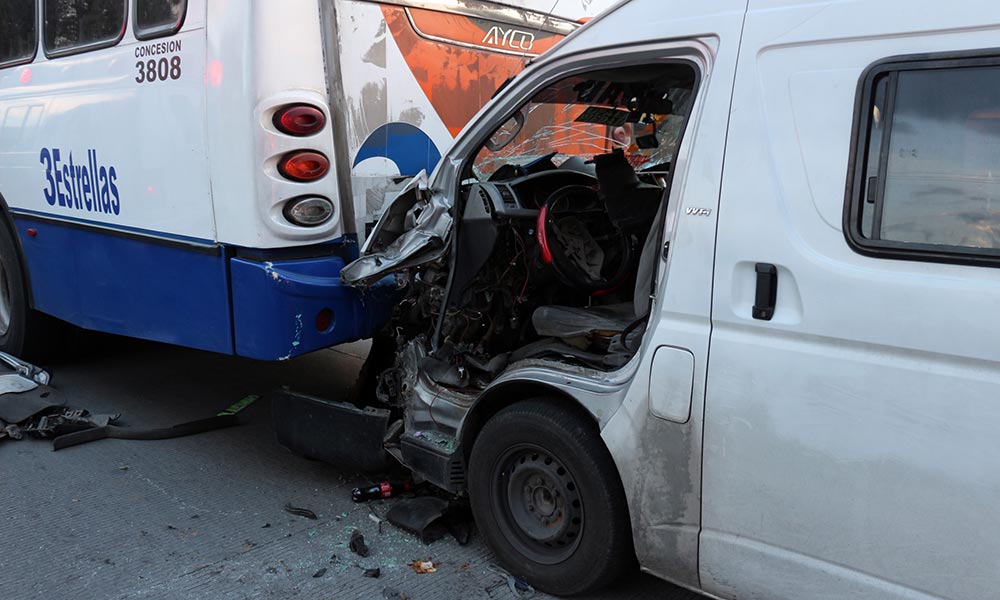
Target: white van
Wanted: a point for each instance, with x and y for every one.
(735, 319)
(197, 172)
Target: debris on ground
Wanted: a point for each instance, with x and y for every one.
(424, 566)
(394, 594)
(373, 573)
(300, 512)
(379, 491)
(376, 519)
(320, 573)
(265, 525)
(431, 518)
(519, 587)
(30, 408)
(420, 516)
(357, 544)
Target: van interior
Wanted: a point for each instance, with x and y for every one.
(557, 230)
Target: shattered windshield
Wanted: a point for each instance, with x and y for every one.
(637, 109)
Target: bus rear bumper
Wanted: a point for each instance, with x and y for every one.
(282, 309)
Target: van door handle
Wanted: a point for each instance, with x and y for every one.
(767, 291)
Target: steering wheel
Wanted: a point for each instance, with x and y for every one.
(576, 236)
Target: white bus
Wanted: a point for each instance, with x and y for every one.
(197, 172)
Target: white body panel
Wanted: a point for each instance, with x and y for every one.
(91, 101)
(846, 448)
(258, 60)
(196, 156)
(850, 445)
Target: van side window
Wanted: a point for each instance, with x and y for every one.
(80, 25)
(18, 32)
(158, 18)
(927, 179)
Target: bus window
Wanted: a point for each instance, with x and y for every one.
(157, 18)
(80, 25)
(17, 32)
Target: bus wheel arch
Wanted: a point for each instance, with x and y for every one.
(24, 332)
(545, 491)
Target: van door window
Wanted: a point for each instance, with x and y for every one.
(931, 166)
(79, 25)
(158, 18)
(17, 32)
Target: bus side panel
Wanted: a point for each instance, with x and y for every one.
(413, 77)
(117, 284)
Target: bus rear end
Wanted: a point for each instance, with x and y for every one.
(198, 172)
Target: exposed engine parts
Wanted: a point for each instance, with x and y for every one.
(540, 266)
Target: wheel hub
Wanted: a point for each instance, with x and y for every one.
(543, 510)
(542, 501)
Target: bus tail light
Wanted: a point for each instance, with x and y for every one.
(303, 165)
(308, 211)
(299, 119)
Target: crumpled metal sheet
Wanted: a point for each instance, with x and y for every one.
(25, 369)
(412, 231)
(12, 383)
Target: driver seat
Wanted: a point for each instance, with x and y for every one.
(565, 322)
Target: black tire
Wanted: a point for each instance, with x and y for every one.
(540, 471)
(24, 332)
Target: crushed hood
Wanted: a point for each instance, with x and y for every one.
(412, 231)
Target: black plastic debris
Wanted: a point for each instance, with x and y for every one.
(38, 414)
(300, 512)
(431, 518)
(330, 431)
(373, 573)
(320, 573)
(357, 544)
(420, 516)
(71, 427)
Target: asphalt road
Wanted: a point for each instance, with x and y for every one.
(202, 517)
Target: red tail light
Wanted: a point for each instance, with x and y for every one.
(299, 119)
(303, 165)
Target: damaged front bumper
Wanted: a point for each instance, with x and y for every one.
(421, 423)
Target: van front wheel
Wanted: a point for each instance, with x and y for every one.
(548, 499)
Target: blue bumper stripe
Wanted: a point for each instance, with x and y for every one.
(128, 286)
(173, 291)
(280, 308)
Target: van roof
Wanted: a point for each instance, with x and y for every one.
(636, 21)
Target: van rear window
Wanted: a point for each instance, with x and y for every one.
(17, 32)
(157, 18)
(78, 25)
(927, 183)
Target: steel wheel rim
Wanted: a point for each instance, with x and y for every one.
(537, 503)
